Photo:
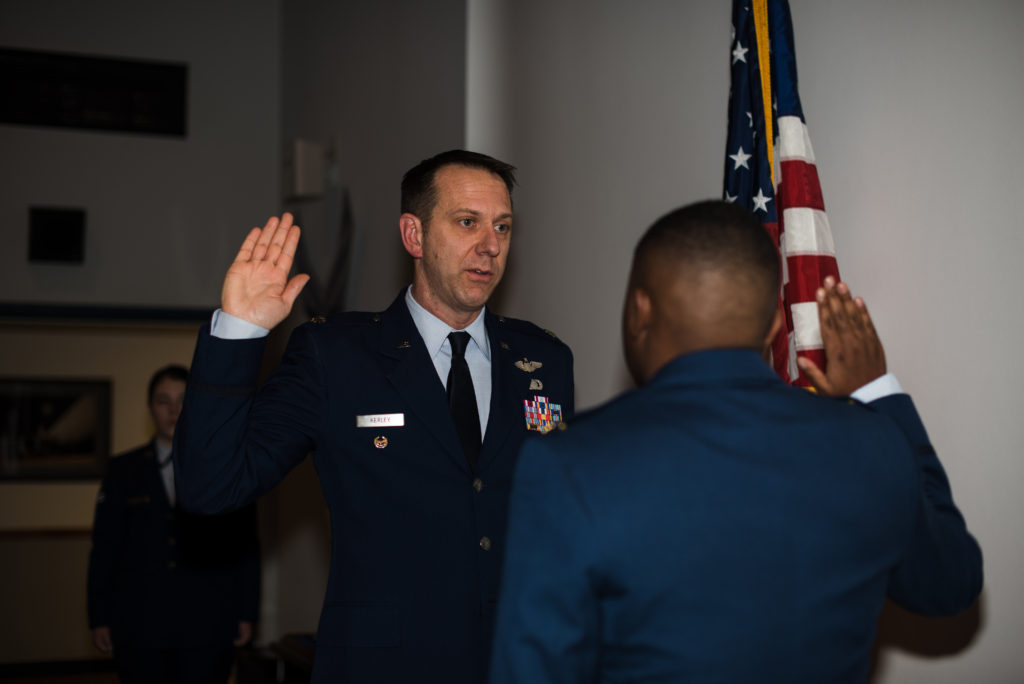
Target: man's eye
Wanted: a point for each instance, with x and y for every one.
(502, 227)
(466, 223)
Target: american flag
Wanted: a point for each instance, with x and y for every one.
(770, 169)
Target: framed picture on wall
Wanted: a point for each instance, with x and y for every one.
(54, 429)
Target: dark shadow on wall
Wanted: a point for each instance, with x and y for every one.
(932, 638)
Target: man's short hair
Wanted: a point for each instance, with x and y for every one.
(714, 235)
(419, 192)
(173, 371)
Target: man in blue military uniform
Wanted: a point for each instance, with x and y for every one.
(170, 592)
(717, 525)
(414, 416)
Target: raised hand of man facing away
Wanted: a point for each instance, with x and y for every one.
(852, 348)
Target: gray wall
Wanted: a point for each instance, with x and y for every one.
(165, 215)
(616, 112)
(383, 84)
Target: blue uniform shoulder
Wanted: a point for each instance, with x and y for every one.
(528, 329)
(344, 325)
(345, 319)
(129, 464)
(137, 455)
(600, 417)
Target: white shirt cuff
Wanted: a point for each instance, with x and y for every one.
(228, 327)
(877, 389)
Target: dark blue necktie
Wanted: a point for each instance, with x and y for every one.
(462, 399)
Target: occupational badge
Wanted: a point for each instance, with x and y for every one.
(541, 415)
(380, 441)
(536, 384)
(528, 366)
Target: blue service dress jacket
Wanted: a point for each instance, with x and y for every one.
(718, 525)
(160, 577)
(418, 537)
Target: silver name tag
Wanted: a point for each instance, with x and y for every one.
(381, 420)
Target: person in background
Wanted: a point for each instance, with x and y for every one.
(170, 593)
(716, 524)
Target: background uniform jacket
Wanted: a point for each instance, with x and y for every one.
(160, 577)
(417, 538)
(720, 526)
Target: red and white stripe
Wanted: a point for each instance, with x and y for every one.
(805, 242)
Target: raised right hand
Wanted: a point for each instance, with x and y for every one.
(256, 287)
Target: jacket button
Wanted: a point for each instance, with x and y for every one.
(485, 543)
(171, 541)
(171, 565)
(478, 485)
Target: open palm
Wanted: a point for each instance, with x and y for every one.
(256, 287)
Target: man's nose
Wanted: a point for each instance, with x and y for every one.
(489, 243)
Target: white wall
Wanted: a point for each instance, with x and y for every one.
(616, 112)
(165, 215)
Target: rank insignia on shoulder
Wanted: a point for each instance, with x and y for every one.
(541, 415)
(318, 319)
(551, 333)
(380, 441)
(528, 366)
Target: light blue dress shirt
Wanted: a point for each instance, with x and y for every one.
(435, 332)
(432, 329)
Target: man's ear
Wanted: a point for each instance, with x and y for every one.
(412, 234)
(777, 320)
(637, 314)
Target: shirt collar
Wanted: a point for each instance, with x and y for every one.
(162, 452)
(434, 331)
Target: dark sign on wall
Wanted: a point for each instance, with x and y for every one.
(75, 91)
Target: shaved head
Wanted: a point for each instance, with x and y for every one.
(705, 276)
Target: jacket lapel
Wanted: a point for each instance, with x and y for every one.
(413, 376)
(501, 418)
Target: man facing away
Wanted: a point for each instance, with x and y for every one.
(414, 416)
(170, 593)
(717, 525)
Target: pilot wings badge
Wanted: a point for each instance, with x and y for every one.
(528, 366)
